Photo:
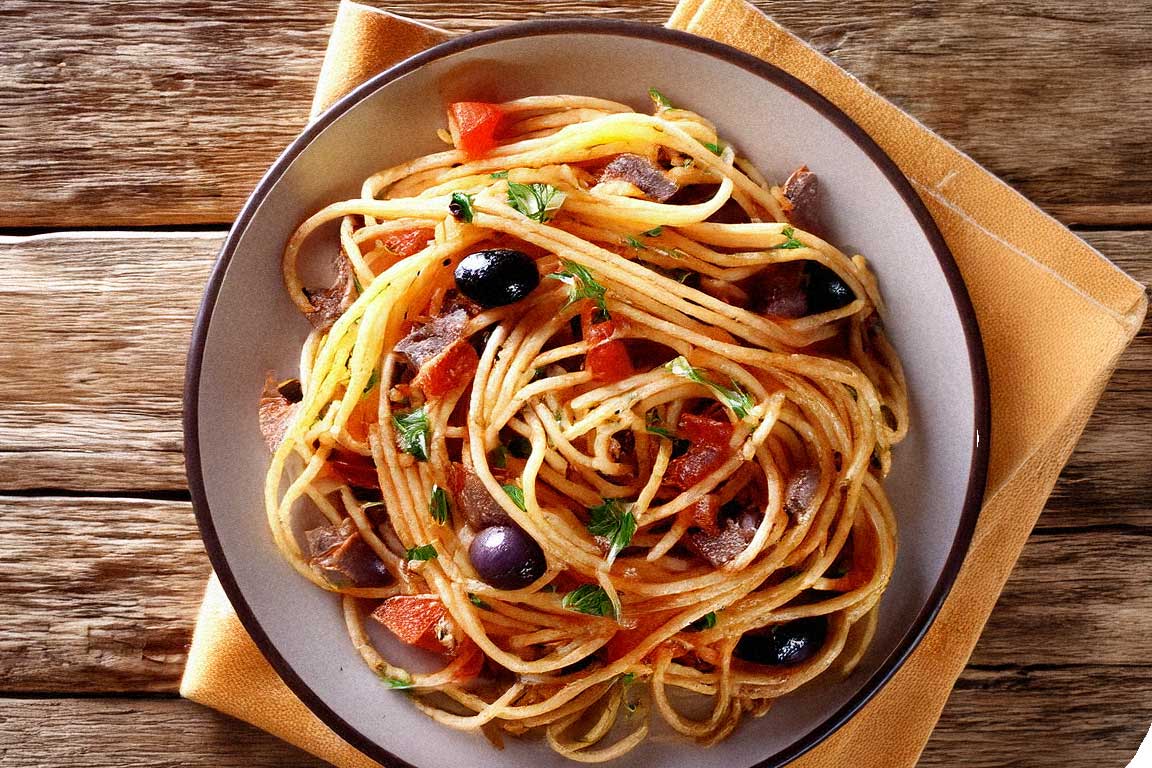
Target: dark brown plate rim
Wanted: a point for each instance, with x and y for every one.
(979, 373)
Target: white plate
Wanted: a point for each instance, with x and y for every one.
(247, 326)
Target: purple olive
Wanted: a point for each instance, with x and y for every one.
(506, 557)
(784, 644)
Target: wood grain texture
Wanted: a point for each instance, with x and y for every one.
(137, 113)
(135, 733)
(97, 595)
(96, 333)
(1080, 717)
(1028, 719)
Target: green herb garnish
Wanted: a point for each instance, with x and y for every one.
(632, 241)
(372, 380)
(654, 424)
(395, 683)
(498, 457)
(715, 149)
(412, 432)
(734, 397)
(581, 285)
(536, 201)
(498, 175)
(590, 599)
(516, 493)
(476, 601)
(461, 206)
(614, 521)
(707, 621)
(438, 505)
(790, 243)
(426, 552)
(356, 282)
(659, 99)
(654, 232)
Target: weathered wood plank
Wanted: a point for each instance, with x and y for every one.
(115, 610)
(1080, 717)
(1071, 598)
(96, 334)
(97, 595)
(1018, 718)
(135, 733)
(138, 113)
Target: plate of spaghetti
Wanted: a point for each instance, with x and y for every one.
(546, 414)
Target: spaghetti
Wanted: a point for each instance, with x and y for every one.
(650, 480)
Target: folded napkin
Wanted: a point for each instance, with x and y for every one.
(1055, 316)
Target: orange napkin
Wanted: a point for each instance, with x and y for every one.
(1054, 313)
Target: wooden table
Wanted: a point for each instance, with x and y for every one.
(130, 133)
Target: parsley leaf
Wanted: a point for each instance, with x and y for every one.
(632, 241)
(654, 424)
(461, 206)
(476, 601)
(581, 285)
(412, 432)
(426, 552)
(654, 232)
(536, 201)
(790, 243)
(375, 377)
(707, 621)
(438, 505)
(659, 99)
(395, 683)
(498, 175)
(498, 457)
(715, 149)
(516, 493)
(734, 397)
(614, 521)
(356, 282)
(590, 599)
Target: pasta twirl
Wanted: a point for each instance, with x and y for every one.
(595, 418)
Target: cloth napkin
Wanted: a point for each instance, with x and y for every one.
(1055, 316)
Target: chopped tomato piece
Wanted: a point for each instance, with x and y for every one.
(418, 620)
(708, 449)
(449, 370)
(607, 357)
(364, 414)
(704, 514)
(609, 361)
(473, 125)
(409, 241)
(354, 469)
(472, 665)
(595, 332)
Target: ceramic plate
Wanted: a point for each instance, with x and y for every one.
(247, 326)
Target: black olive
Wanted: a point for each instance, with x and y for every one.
(784, 644)
(497, 277)
(506, 557)
(826, 291)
